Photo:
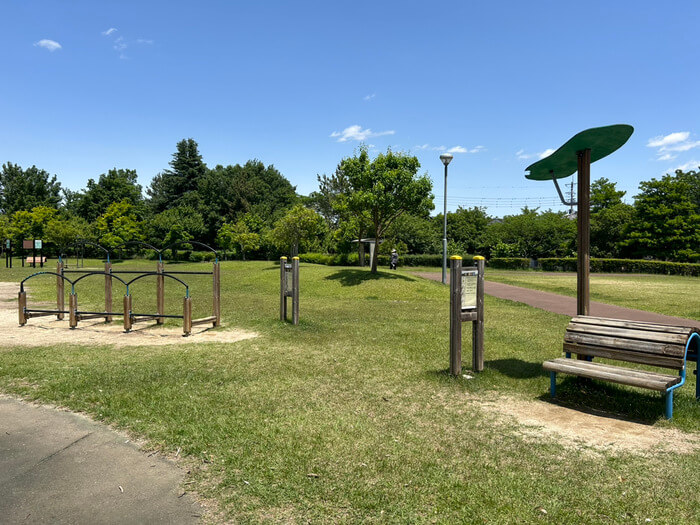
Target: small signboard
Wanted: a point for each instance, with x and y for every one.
(27, 244)
(469, 283)
(37, 244)
(8, 244)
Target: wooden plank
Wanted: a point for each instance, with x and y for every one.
(583, 244)
(29, 315)
(203, 320)
(187, 316)
(22, 302)
(628, 333)
(478, 324)
(72, 307)
(618, 375)
(632, 372)
(85, 317)
(638, 325)
(648, 347)
(127, 313)
(623, 355)
(469, 315)
(455, 316)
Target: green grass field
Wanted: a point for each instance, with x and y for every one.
(351, 416)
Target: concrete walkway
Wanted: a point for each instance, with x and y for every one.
(562, 304)
(59, 467)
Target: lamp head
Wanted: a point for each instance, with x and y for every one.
(446, 158)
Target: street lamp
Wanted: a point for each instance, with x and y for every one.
(446, 158)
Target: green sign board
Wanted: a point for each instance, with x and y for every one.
(8, 243)
(37, 244)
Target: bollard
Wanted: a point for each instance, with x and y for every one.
(108, 291)
(60, 291)
(127, 313)
(455, 315)
(72, 309)
(22, 300)
(187, 316)
(160, 293)
(217, 294)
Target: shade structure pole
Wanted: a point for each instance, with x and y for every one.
(583, 287)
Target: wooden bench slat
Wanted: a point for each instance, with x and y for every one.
(628, 333)
(637, 325)
(623, 355)
(647, 347)
(615, 374)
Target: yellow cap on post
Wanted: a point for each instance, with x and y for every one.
(283, 258)
(479, 258)
(456, 257)
(295, 258)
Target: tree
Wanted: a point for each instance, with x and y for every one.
(114, 186)
(175, 224)
(466, 227)
(300, 226)
(609, 228)
(63, 231)
(26, 189)
(239, 234)
(177, 186)
(118, 224)
(386, 188)
(666, 223)
(604, 194)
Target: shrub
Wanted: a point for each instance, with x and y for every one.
(511, 263)
(568, 264)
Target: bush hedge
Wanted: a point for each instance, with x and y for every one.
(509, 263)
(568, 264)
(351, 259)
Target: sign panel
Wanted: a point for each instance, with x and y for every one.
(8, 244)
(37, 244)
(27, 244)
(469, 281)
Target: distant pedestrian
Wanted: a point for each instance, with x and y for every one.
(394, 260)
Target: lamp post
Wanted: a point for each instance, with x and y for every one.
(446, 158)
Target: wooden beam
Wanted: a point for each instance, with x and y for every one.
(60, 291)
(583, 290)
(455, 315)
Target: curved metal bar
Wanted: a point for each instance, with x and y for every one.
(84, 242)
(176, 243)
(87, 274)
(146, 274)
(21, 284)
(561, 196)
(140, 243)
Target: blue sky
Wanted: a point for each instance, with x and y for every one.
(90, 85)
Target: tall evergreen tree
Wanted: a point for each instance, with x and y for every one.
(26, 189)
(114, 186)
(178, 185)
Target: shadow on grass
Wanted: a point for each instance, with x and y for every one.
(517, 368)
(355, 277)
(606, 399)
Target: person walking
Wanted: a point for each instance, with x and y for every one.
(394, 260)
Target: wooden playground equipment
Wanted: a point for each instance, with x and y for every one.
(129, 316)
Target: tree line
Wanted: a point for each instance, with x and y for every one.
(253, 211)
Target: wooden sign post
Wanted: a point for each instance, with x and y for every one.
(466, 304)
(288, 289)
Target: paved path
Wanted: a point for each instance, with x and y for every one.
(59, 467)
(562, 304)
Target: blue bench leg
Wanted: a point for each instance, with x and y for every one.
(552, 383)
(669, 404)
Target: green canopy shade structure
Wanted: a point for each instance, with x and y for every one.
(576, 155)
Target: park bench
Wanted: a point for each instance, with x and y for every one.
(32, 260)
(656, 345)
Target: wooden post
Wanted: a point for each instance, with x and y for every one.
(160, 292)
(583, 291)
(72, 308)
(187, 316)
(60, 291)
(22, 302)
(478, 325)
(295, 290)
(283, 288)
(455, 315)
(127, 312)
(108, 291)
(217, 294)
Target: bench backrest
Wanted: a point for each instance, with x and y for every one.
(632, 341)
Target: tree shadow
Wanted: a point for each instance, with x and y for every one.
(351, 277)
(517, 368)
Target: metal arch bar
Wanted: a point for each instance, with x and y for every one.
(146, 274)
(140, 243)
(21, 284)
(177, 243)
(87, 274)
(83, 242)
(561, 196)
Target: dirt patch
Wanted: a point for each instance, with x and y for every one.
(597, 431)
(41, 331)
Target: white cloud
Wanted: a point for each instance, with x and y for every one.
(109, 31)
(369, 97)
(546, 153)
(692, 165)
(119, 44)
(424, 146)
(51, 45)
(667, 145)
(356, 132)
(477, 149)
(668, 140)
(457, 149)
(144, 41)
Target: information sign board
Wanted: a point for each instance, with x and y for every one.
(27, 244)
(8, 244)
(37, 244)
(469, 283)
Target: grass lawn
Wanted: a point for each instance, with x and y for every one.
(351, 416)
